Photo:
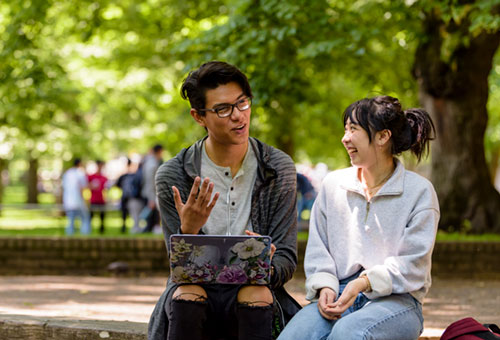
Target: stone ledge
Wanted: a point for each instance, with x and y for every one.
(25, 327)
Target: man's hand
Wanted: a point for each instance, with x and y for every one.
(194, 213)
(327, 297)
(348, 296)
(273, 247)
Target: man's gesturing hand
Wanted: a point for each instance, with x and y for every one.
(194, 213)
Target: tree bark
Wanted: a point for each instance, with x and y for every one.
(3, 166)
(32, 183)
(455, 93)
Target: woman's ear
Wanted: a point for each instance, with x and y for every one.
(383, 137)
(197, 117)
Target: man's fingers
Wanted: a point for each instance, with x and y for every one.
(204, 187)
(205, 195)
(273, 249)
(177, 199)
(194, 190)
(212, 204)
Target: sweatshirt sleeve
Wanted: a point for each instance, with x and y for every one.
(410, 268)
(319, 264)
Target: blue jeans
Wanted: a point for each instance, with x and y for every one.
(393, 317)
(84, 216)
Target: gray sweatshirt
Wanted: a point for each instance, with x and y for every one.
(390, 237)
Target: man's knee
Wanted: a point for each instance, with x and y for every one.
(190, 293)
(255, 296)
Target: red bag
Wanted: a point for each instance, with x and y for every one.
(470, 329)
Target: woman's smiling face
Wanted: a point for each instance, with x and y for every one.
(358, 145)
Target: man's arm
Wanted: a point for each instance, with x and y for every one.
(283, 230)
(281, 224)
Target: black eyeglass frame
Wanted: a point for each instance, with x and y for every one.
(227, 105)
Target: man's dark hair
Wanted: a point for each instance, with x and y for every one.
(77, 162)
(157, 148)
(209, 76)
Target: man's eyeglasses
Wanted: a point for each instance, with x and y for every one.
(225, 110)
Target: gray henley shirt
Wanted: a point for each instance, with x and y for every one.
(231, 213)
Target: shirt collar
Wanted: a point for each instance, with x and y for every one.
(393, 186)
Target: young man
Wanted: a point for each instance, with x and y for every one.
(74, 181)
(255, 193)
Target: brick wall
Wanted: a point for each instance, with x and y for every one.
(81, 256)
(92, 256)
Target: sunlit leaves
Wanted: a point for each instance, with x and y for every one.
(107, 73)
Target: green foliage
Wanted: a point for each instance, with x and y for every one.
(100, 78)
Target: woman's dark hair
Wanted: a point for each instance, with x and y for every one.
(411, 129)
(209, 76)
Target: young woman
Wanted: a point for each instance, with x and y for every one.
(372, 231)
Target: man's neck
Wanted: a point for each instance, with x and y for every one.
(231, 156)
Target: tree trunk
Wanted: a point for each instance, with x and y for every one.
(455, 93)
(32, 184)
(494, 162)
(3, 166)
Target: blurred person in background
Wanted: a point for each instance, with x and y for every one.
(125, 183)
(74, 182)
(151, 163)
(307, 194)
(97, 185)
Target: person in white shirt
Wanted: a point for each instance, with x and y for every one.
(74, 181)
(372, 232)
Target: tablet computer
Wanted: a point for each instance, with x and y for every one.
(220, 259)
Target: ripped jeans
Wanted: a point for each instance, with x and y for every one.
(219, 316)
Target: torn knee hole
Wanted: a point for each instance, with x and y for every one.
(255, 304)
(190, 297)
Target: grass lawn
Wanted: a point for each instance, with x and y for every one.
(48, 222)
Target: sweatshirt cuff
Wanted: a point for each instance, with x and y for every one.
(380, 280)
(320, 280)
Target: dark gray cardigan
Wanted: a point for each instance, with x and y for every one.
(273, 213)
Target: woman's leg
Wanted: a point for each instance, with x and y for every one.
(307, 324)
(187, 313)
(395, 317)
(255, 313)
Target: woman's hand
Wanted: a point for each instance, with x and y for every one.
(327, 297)
(346, 299)
(194, 213)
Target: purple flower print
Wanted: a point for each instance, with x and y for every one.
(232, 274)
(259, 273)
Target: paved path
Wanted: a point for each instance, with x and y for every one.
(133, 299)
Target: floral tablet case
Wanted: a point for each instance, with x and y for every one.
(220, 259)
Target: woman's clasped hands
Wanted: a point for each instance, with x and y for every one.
(332, 309)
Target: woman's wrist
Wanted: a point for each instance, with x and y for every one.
(368, 286)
